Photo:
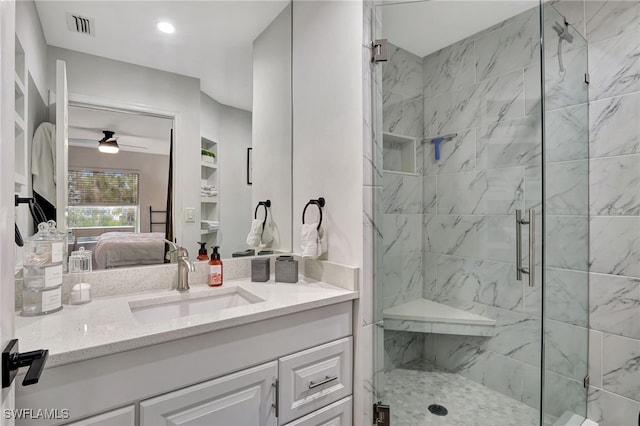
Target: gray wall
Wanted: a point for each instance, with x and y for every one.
(102, 78)
(271, 127)
(327, 123)
(236, 210)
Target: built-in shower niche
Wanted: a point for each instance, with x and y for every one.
(398, 153)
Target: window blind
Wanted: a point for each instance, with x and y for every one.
(102, 188)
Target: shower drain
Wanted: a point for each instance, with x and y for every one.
(438, 410)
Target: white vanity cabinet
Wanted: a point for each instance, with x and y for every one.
(125, 416)
(219, 378)
(336, 414)
(247, 397)
(307, 381)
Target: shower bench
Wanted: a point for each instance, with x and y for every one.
(427, 316)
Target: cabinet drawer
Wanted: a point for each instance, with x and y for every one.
(314, 378)
(336, 414)
(125, 416)
(244, 398)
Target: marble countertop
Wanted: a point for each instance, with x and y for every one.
(106, 325)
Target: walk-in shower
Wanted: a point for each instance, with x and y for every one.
(481, 279)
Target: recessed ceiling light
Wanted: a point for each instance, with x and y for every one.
(166, 27)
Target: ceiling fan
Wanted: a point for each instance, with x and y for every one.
(109, 143)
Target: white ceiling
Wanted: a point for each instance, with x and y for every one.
(212, 42)
(135, 132)
(425, 27)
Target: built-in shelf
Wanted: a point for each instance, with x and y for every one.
(398, 153)
(208, 165)
(21, 160)
(19, 122)
(20, 63)
(19, 83)
(427, 316)
(209, 206)
(20, 179)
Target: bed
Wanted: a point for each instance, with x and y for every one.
(117, 249)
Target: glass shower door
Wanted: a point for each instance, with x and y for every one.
(461, 120)
(566, 214)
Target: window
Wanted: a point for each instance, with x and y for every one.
(103, 200)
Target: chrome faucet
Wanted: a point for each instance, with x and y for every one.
(184, 267)
(173, 251)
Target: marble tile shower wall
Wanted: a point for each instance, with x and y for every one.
(612, 29)
(483, 88)
(455, 217)
(402, 261)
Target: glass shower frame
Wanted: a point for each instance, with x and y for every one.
(545, 296)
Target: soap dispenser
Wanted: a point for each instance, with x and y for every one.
(215, 269)
(202, 253)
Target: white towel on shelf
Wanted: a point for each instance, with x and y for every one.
(313, 242)
(255, 234)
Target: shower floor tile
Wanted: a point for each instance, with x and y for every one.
(409, 393)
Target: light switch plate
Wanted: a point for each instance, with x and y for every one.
(190, 214)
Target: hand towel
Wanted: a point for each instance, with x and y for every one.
(267, 232)
(255, 234)
(313, 242)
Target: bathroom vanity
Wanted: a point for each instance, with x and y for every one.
(244, 354)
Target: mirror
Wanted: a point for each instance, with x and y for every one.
(201, 116)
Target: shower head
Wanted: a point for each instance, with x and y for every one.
(563, 34)
(563, 31)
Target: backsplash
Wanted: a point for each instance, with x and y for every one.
(114, 282)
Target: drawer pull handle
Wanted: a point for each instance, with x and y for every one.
(326, 380)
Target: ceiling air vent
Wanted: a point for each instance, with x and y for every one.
(80, 24)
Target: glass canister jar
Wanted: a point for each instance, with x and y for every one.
(42, 271)
(79, 267)
(53, 228)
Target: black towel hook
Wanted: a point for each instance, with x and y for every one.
(266, 205)
(320, 202)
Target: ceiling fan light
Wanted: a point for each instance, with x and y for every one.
(108, 144)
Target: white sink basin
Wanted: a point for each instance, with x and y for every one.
(184, 305)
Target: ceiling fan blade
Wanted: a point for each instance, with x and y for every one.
(90, 141)
(133, 146)
(83, 140)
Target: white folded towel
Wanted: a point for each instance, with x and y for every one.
(267, 232)
(313, 242)
(255, 234)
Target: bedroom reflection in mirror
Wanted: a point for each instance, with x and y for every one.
(117, 202)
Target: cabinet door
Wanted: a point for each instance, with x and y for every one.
(311, 379)
(336, 414)
(244, 398)
(125, 416)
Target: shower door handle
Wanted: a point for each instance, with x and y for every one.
(530, 271)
